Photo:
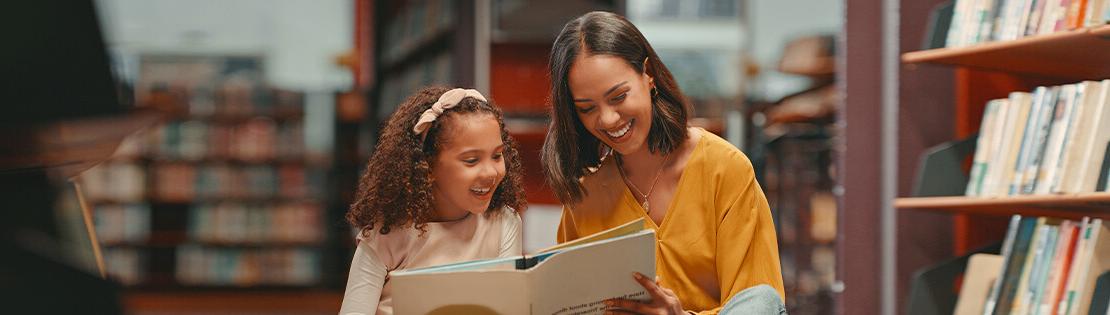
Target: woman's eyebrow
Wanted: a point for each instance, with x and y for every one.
(614, 88)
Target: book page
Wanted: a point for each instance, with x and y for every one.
(578, 279)
(621, 230)
(464, 292)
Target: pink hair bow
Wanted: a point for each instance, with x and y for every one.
(446, 101)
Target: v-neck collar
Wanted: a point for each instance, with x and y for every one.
(630, 200)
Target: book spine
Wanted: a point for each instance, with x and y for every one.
(1007, 251)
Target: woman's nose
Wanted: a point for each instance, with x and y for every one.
(608, 117)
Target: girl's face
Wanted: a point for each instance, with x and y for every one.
(612, 101)
(469, 166)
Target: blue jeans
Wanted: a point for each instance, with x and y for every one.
(760, 299)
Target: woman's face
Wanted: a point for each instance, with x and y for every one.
(469, 166)
(612, 100)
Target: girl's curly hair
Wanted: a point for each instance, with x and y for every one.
(396, 188)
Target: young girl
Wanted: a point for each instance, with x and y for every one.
(619, 148)
(443, 186)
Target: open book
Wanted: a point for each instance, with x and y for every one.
(570, 278)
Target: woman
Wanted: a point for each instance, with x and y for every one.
(620, 148)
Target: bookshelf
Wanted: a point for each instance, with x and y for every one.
(224, 195)
(992, 70)
(1075, 54)
(1065, 206)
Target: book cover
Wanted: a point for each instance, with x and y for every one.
(998, 177)
(983, 146)
(1058, 135)
(981, 273)
(1080, 131)
(1029, 272)
(572, 279)
(1043, 96)
(1059, 274)
(1095, 260)
(1039, 139)
(1039, 277)
(1015, 265)
(1006, 253)
(1091, 155)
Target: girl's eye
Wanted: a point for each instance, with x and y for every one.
(586, 110)
(471, 161)
(619, 98)
(497, 156)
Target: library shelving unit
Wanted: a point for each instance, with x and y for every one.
(991, 70)
(222, 205)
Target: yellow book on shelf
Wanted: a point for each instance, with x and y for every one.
(981, 273)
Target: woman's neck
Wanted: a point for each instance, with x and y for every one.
(643, 161)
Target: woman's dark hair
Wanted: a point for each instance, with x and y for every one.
(569, 149)
(396, 188)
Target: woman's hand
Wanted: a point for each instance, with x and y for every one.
(663, 300)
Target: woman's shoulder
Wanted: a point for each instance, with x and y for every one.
(722, 153)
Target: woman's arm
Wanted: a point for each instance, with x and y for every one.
(364, 284)
(747, 249)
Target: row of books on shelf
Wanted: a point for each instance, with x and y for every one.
(416, 23)
(257, 139)
(235, 223)
(245, 267)
(178, 182)
(978, 21)
(238, 96)
(125, 265)
(399, 86)
(1046, 266)
(216, 224)
(122, 223)
(125, 182)
(1051, 141)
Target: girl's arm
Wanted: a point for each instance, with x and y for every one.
(511, 240)
(364, 284)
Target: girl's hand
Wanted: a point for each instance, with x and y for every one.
(663, 300)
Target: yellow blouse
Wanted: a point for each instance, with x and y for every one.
(717, 237)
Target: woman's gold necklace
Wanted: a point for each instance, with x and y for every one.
(646, 205)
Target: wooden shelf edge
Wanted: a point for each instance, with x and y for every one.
(925, 56)
(1049, 56)
(234, 300)
(1074, 205)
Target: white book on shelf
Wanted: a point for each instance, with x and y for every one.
(1062, 121)
(983, 146)
(1081, 129)
(1033, 263)
(1022, 19)
(1094, 260)
(1020, 106)
(1058, 274)
(1033, 24)
(1091, 14)
(1043, 97)
(1069, 283)
(999, 131)
(958, 14)
(1091, 152)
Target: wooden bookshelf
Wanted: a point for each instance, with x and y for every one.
(1068, 206)
(231, 302)
(1082, 54)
